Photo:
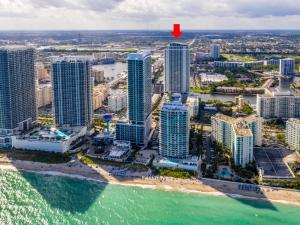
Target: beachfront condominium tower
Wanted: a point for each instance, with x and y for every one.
(72, 91)
(287, 67)
(292, 133)
(215, 51)
(238, 134)
(137, 126)
(177, 68)
(174, 129)
(17, 89)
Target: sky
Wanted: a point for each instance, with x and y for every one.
(148, 14)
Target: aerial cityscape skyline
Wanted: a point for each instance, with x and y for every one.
(149, 112)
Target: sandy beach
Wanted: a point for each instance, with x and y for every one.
(208, 186)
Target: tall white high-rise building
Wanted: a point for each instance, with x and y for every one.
(287, 67)
(238, 134)
(277, 104)
(292, 133)
(177, 68)
(174, 130)
(215, 51)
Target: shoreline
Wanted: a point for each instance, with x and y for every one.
(153, 187)
(203, 186)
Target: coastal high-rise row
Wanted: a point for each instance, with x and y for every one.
(287, 67)
(17, 89)
(237, 134)
(72, 91)
(138, 124)
(215, 51)
(177, 68)
(174, 129)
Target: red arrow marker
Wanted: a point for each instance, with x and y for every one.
(176, 31)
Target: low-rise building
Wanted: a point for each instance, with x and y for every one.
(237, 90)
(5, 141)
(227, 64)
(190, 164)
(119, 151)
(292, 133)
(49, 139)
(271, 62)
(233, 65)
(209, 78)
(237, 134)
(250, 65)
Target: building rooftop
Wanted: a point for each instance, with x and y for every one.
(294, 120)
(240, 124)
(49, 134)
(138, 56)
(174, 106)
(242, 129)
(177, 44)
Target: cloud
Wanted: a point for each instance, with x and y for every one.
(31, 7)
(135, 13)
(219, 8)
(263, 8)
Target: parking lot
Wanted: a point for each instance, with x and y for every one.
(274, 161)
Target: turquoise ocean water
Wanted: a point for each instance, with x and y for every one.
(29, 198)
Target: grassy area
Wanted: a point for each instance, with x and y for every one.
(295, 167)
(174, 173)
(223, 107)
(247, 109)
(34, 156)
(292, 184)
(249, 172)
(45, 120)
(201, 89)
(239, 58)
(95, 161)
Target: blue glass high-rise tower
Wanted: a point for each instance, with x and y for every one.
(177, 68)
(72, 91)
(17, 89)
(137, 128)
